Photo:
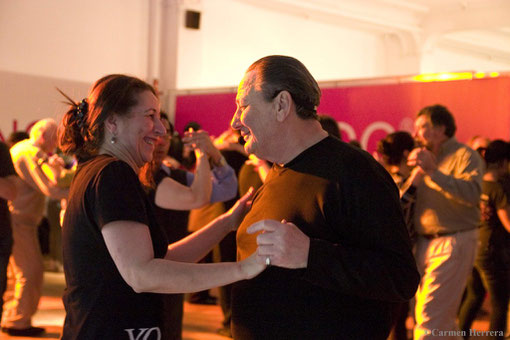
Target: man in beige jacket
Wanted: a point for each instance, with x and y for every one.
(39, 173)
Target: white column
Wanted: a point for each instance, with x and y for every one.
(171, 20)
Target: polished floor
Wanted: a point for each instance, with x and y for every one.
(200, 321)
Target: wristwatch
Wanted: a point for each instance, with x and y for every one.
(41, 161)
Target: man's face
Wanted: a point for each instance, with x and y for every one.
(426, 134)
(254, 118)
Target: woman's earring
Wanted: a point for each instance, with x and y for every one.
(113, 140)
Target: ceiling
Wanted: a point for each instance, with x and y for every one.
(479, 27)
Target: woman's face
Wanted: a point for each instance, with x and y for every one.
(139, 130)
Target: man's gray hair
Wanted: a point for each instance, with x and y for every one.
(276, 73)
(39, 128)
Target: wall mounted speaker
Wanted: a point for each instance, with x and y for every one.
(192, 19)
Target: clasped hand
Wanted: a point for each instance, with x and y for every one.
(423, 158)
(283, 242)
(202, 141)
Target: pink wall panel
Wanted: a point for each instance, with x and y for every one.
(368, 113)
(212, 111)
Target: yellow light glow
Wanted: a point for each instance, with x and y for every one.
(446, 76)
(494, 74)
(479, 75)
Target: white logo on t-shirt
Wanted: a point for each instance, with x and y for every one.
(144, 333)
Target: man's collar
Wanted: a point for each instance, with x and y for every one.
(302, 147)
(305, 149)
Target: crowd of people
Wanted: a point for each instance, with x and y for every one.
(454, 201)
(314, 238)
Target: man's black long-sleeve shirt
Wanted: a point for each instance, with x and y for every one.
(360, 262)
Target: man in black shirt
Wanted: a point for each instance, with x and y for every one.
(328, 220)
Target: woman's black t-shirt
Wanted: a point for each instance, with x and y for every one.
(99, 304)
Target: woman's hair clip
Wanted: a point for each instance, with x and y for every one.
(79, 110)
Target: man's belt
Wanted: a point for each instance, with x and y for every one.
(441, 234)
(436, 235)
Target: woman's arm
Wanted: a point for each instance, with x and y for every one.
(413, 180)
(224, 177)
(130, 246)
(172, 195)
(195, 246)
(224, 183)
(504, 217)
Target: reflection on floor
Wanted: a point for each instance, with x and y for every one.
(200, 321)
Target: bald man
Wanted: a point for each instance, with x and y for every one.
(39, 178)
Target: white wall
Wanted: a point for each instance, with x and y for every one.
(65, 43)
(71, 43)
(73, 39)
(443, 59)
(234, 34)
(27, 98)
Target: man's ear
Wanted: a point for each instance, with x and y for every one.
(283, 103)
(43, 137)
